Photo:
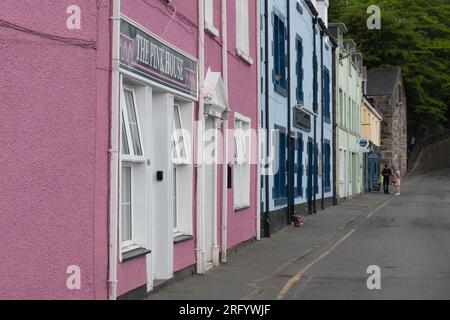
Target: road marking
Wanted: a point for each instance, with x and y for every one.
(379, 208)
(298, 276)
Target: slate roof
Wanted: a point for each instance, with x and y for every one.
(381, 82)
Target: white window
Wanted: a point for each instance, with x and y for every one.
(209, 18)
(132, 149)
(242, 135)
(242, 30)
(180, 155)
(126, 206)
(182, 171)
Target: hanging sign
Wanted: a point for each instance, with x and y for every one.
(302, 119)
(364, 145)
(143, 54)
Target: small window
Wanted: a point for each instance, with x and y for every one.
(126, 203)
(131, 135)
(279, 55)
(242, 30)
(299, 70)
(132, 158)
(181, 172)
(178, 138)
(327, 95)
(241, 162)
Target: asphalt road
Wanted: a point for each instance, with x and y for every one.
(407, 237)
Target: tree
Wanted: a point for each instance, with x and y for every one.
(415, 35)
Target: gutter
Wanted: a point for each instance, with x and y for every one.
(200, 250)
(225, 136)
(315, 102)
(267, 123)
(335, 146)
(322, 201)
(291, 210)
(114, 153)
(258, 117)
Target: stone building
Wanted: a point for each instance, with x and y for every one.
(385, 89)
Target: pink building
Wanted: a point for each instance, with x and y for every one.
(119, 179)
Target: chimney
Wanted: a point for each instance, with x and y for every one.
(322, 8)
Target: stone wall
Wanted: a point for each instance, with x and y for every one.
(394, 140)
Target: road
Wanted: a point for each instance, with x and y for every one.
(408, 238)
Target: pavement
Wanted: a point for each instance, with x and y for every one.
(406, 237)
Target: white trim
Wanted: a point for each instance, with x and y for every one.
(209, 18)
(242, 162)
(243, 30)
(154, 84)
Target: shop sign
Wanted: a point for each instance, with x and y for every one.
(145, 55)
(302, 119)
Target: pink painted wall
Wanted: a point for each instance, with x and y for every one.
(54, 115)
(243, 98)
(181, 32)
(178, 31)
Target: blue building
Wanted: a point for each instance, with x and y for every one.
(297, 111)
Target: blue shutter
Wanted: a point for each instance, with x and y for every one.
(300, 166)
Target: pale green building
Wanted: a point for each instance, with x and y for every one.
(349, 100)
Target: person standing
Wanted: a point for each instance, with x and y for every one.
(386, 178)
(397, 180)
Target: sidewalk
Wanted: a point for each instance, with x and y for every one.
(258, 270)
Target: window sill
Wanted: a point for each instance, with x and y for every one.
(182, 238)
(211, 29)
(280, 201)
(133, 254)
(244, 56)
(241, 208)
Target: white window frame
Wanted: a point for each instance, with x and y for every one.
(243, 30)
(179, 159)
(132, 157)
(133, 161)
(180, 168)
(242, 171)
(209, 18)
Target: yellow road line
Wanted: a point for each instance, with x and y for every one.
(298, 276)
(379, 208)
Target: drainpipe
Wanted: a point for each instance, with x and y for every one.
(322, 201)
(258, 117)
(114, 153)
(267, 123)
(288, 156)
(225, 135)
(201, 254)
(335, 146)
(315, 103)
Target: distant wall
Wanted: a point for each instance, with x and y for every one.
(433, 157)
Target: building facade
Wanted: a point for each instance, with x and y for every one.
(349, 99)
(296, 111)
(54, 182)
(386, 90)
(371, 120)
(130, 169)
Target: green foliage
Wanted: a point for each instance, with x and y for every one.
(414, 34)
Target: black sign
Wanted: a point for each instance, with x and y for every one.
(145, 55)
(302, 120)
